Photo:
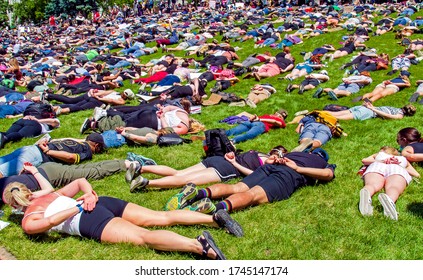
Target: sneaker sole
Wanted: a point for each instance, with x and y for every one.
(205, 207)
(179, 200)
(130, 173)
(365, 208)
(138, 185)
(231, 226)
(388, 209)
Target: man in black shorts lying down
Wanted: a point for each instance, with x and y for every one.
(268, 183)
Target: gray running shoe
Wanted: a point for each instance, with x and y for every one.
(132, 172)
(138, 183)
(224, 220)
(365, 204)
(389, 209)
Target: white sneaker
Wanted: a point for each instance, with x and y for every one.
(365, 205)
(251, 103)
(308, 143)
(99, 113)
(389, 209)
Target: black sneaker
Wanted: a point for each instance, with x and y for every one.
(224, 220)
(86, 125)
(318, 93)
(288, 88)
(2, 142)
(414, 97)
(138, 184)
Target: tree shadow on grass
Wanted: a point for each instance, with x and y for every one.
(416, 208)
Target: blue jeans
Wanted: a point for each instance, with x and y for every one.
(120, 64)
(12, 163)
(246, 131)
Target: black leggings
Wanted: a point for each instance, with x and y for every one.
(22, 129)
(75, 104)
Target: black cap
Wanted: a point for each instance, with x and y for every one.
(96, 138)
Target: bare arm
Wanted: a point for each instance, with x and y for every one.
(323, 174)
(408, 152)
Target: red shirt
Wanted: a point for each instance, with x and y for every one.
(269, 122)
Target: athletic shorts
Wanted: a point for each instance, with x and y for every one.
(387, 170)
(93, 223)
(223, 168)
(352, 88)
(279, 182)
(313, 82)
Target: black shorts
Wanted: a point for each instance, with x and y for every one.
(224, 169)
(92, 223)
(311, 81)
(279, 182)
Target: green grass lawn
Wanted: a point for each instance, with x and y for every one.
(319, 222)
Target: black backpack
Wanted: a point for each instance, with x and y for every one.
(40, 111)
(217, 143)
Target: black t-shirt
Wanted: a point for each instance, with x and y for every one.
(418, 148)
(83, 150)
(27, 179)
(249, 160)
(309, 160)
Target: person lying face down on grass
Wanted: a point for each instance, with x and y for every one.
(368, 111)
(111, 220)
(210, 170)
(67, 151)
(385, 170)
(38, 179)
(268, 183)
(256, 126)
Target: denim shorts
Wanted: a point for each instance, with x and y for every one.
(352, 88)
(362, 113)
(316, 131)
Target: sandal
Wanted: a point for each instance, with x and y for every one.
(206, 240)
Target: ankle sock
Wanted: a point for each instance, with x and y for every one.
(203, 193)
(225, 205)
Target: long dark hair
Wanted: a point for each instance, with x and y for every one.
(410, 134)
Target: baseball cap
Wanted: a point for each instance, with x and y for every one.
(322, 153)
(96, 138)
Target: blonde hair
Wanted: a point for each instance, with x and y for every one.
(17, 194)
(14, 64)
(390, 150)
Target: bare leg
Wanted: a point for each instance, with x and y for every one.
(395, 186)
(164, 170)
(202, 177)
(224, 190)
(119, 230)
(253, 196)
(373, 182)
(145, 217)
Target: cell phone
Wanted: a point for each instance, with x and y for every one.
(367, 100)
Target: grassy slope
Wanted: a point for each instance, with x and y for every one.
(318, 222)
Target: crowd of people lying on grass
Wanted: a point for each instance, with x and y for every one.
(83, 65)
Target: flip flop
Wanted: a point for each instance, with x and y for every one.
(208, 243)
